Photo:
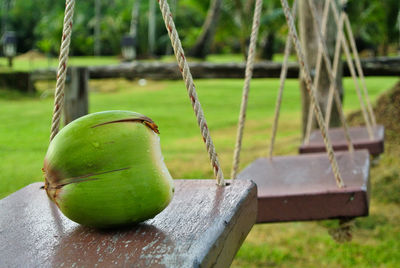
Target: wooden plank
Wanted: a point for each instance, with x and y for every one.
(265, 69)
(359, 137)
(300, 188)
(17, 80)
(204, 225)
(76, 103)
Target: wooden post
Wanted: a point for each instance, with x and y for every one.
(10, 62)
(76, 94)
(21, 81)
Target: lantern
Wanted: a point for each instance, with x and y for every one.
(9, 44)
(128, 47)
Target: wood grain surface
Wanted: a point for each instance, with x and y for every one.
(203, 226)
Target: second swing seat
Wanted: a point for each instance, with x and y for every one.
(359, 137)
(303, 187)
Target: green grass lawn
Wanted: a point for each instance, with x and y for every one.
(24, 134)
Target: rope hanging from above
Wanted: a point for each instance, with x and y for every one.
(183, 66)
(311, 92)
(187, 77)
(288, 47)
(62, 67)
(310, 118)
(342, 42)
(339, 37)
(246, 86)
(368, 115)
(331, 74)
(316, 80)
(356, 55)
(358, 65)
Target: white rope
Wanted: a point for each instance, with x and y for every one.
(288, 47)
(62, 67)
(336, 59)
(331, 73)
(246, 87)
(312, 93)
(318, 65)
(63, 59)
(333, 91)
(353, 74)
(358, 65)
(187, 77)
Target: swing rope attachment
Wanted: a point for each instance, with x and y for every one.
(341, 42)
(246, 87)
(322, 48)
(343, 233)
(183, 66)
(62, 67)
(312, 94)
(282, 79)
(187, 77)
(310, 89)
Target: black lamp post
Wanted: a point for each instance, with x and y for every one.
(9, 46)
(128, 47)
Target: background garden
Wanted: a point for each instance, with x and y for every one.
(25, 117)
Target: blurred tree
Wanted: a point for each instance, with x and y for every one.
(38, 24)
(23, 17)
(242, 16)
(97, 28)
(374, 23)
(203, 43)
(273, 25)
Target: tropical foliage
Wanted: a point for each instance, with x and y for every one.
(38, 24)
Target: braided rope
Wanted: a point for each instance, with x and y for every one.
(358, 62)
(187, 77)
(312, 94)
(310, 118)
(246, 86)
(322, 50)
(339, 37)
(62, 67)
(359, 68)
(288, 48)
(353, 73)
(331, 74)
(343, 233)
(332, 90)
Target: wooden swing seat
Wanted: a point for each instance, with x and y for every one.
(358, 135)
(203, 226)
(303, 188)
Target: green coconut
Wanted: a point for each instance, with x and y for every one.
(106, 169)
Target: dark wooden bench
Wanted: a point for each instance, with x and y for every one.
(303, 187)
(203, 226)
(359, 137)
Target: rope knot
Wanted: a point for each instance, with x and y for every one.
(343, 233)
